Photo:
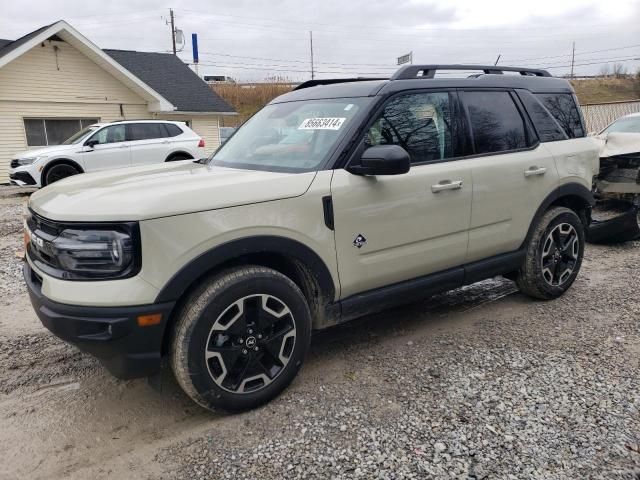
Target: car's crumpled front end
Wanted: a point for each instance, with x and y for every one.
(616, 216)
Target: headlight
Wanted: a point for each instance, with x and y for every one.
(93, 251)
(84, 252)
(29, 160)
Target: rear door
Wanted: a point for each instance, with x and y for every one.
(111, 151)
(394, 228)
(512, 172)
(149, 143)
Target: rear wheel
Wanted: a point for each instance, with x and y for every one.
(553, 255)
(241, 338)
(58, 172)
(178, 157)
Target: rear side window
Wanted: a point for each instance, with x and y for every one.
(545, 124)
(146, 131)
(418, 122)
(173, 130)
(496, 123)
(564, 109)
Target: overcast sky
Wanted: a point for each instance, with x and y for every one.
(252, 40)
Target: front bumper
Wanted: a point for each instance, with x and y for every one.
(111, 334)
(22, 179)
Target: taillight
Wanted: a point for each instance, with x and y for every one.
(201, 143)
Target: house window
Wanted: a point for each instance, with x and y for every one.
(48, 131)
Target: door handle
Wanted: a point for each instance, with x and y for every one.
(446, 185)
(533, 170)
(123, 146)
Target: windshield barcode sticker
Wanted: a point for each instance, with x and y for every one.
(322, 124)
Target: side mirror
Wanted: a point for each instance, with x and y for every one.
(382, 160)
(91, 143)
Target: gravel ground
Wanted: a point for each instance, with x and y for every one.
(479, 383)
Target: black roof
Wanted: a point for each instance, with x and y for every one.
(536, 81)
(173, 79)
(164, 72)
(7, 46)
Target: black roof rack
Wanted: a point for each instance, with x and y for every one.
(330, 81)
(429, 71)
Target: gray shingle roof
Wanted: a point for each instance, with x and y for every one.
(165, 73)
(173, 79)
(7, 46)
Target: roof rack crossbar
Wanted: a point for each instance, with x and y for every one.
(330, 81)
(429, 71)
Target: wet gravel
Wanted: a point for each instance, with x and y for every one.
(479, 383)
(532, 390)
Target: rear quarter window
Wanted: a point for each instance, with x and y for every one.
(173, 130)
(548, 129)
(564, 109)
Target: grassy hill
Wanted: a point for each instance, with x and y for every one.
(603, 90)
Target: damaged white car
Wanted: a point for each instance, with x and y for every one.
(616, 216)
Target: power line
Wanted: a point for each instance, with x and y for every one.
(577, 53)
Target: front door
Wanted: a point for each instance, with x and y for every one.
(111, 151)
(394, 228)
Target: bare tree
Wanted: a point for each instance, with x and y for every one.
(619, 70)
(605, 70)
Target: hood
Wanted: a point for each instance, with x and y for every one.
(38, 152)
(618, 143)
(162, 190)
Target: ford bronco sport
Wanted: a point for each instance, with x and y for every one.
(340, 198)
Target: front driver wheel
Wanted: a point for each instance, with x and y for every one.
(241, 338)
(553, 256)
(58, 172)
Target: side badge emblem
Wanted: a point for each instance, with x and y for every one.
(360, 241)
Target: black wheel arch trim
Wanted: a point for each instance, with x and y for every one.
(235, 249)
(179, 153)
(568, 190)
(58, 161)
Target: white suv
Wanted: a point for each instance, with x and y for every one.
(105, 146)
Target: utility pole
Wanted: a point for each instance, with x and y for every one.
(313, 74)
(173, 31)
(573, 56)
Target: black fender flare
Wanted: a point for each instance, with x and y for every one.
(178, 153)
(210, 260)
(568, 190)
(58, 161)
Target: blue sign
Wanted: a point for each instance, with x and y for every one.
(194, 46)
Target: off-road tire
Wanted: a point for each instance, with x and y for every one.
(530, 278)
(201, 316)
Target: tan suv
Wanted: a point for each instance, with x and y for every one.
(338, 199)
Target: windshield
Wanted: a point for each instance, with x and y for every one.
(626, 125)
(76, 137)
(289, 137)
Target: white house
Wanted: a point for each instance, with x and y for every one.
(54, 81)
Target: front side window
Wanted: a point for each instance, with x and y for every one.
(146, 131)
(496, 123)
(111, 134)
(41, 132)
(290, 137)
(564, 109)
(418, 122)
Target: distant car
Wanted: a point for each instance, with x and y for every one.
(627, 124)
(225, 133)
(105, 146)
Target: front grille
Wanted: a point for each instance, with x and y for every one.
(15, 163)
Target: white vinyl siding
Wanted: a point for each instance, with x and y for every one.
(62, 83)
(206, 126)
